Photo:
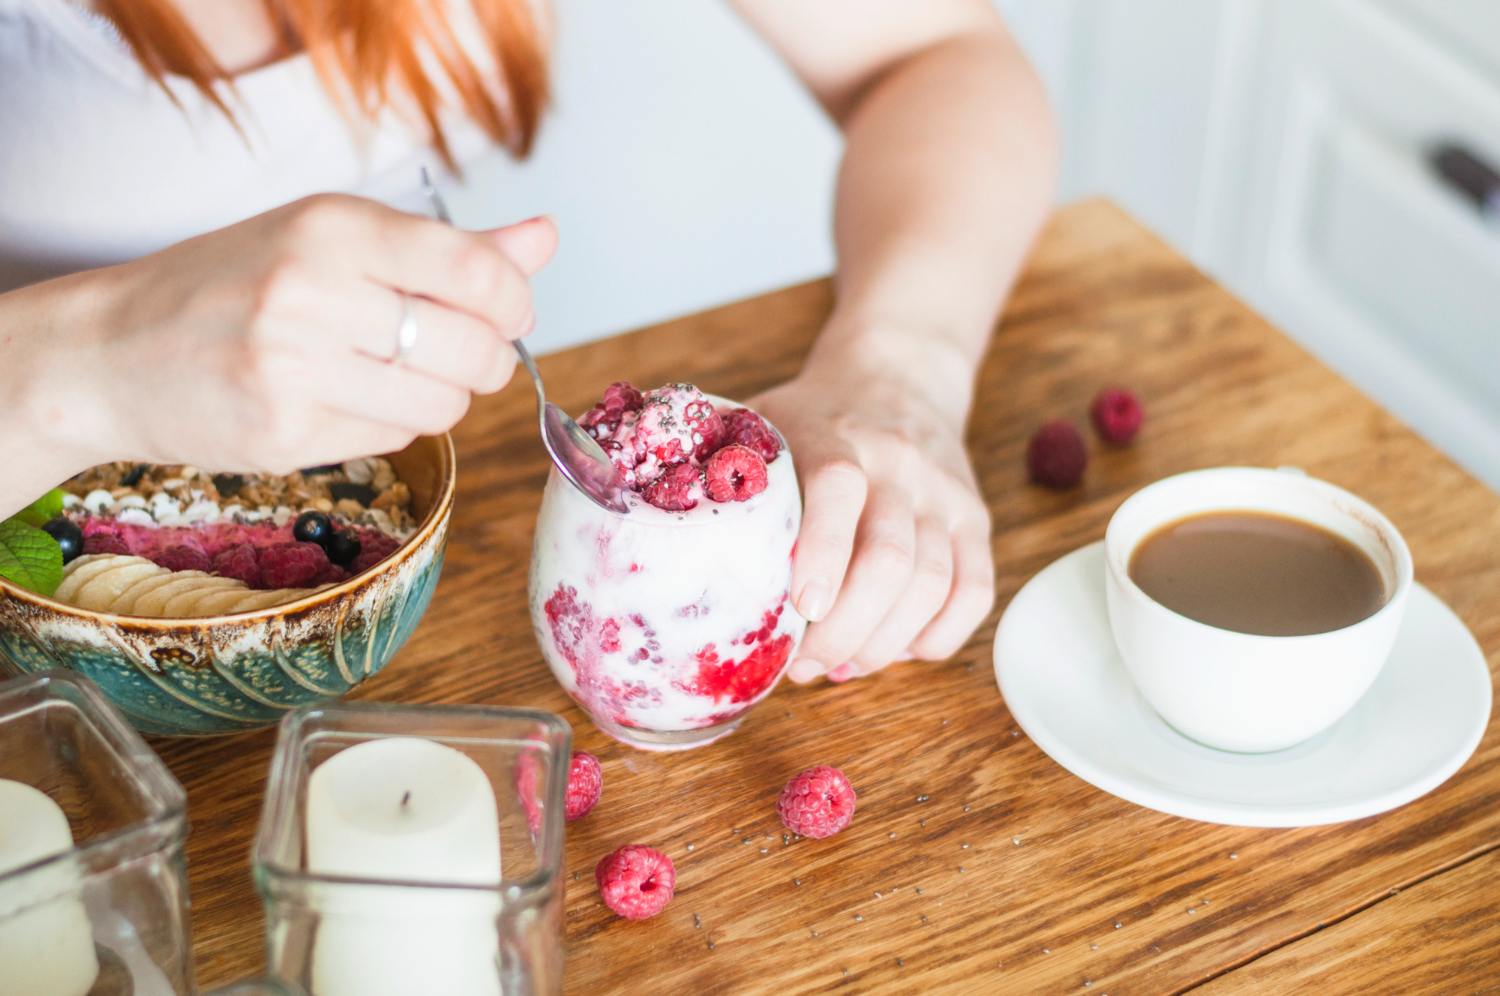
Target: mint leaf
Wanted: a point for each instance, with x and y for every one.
(30, 557)
(46, 508)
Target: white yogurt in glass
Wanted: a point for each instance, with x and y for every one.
(667, 627)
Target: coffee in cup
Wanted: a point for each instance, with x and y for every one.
(1253, 607)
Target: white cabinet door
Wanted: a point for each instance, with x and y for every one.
(1328, 216)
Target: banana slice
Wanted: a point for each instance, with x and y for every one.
(125, 604)
(100, 591)
(266, 599)
(81, 570)
(150, 604)
(219, 602)
(181, 605)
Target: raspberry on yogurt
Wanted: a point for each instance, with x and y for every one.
(673, 424)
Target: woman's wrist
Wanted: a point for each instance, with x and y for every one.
(899, 365)
(51, 419)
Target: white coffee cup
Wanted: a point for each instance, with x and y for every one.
(1239, 691)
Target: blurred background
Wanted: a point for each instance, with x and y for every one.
(1322, 158)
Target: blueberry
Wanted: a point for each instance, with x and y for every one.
(313, 527)
(69, 537)
(343, 547)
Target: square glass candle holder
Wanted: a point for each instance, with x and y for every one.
(93, 882)
(407, 848)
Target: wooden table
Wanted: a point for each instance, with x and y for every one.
(1014, 876)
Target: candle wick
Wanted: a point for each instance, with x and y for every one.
(406, 798)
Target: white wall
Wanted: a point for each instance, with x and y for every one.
(685, 165)
(688, 168)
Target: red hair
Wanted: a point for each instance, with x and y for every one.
(362, 49)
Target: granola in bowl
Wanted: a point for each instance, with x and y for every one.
(176, 541)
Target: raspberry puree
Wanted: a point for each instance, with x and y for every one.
(669, 623)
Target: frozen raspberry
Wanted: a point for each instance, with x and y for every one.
(636, 881)
(239, 562)
(605, 417)
(332, 574)
(1056, 455)
(104, 543)
(707, 426)
(291, 565)
(735, 473)
(1116, 414)
(745, 428)
(677, 490)
(183, 558)
(585, 784)
(817, 803)
(375, 541)
(623, 394)
(374, 546)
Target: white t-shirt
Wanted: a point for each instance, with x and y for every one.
(98, 165)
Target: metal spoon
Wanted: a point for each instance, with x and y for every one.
(573, 451)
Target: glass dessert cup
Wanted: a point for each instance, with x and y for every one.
(667, 627)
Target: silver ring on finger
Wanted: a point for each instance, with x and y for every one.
(406, 332)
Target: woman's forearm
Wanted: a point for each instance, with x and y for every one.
(946, 179)
(45, 364)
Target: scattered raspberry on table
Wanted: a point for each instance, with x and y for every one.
(1116, 414)
(1057, 455)
(585, 784)
(817, 803)
(636, 881)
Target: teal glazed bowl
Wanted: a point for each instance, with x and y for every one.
(226, 674)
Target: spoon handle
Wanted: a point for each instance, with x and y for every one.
(536, 376)
(441, 210)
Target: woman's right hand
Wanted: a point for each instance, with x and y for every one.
(266, 346)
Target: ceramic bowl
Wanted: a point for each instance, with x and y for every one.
(225, 674)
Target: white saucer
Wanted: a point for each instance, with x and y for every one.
(1068, 689)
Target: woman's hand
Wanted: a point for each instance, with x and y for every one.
(893, 560)
(267, 346)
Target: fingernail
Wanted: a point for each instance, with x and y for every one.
(842, 673)
(812, 604)
(804, 669)
(527, 325)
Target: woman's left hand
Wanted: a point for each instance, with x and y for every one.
(893, 560)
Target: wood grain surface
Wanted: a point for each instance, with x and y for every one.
(1013, 876)
(1438, 938)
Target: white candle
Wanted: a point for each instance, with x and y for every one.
(46, 949)
(411, 810)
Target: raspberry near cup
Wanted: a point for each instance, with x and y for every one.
(1242, 691)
